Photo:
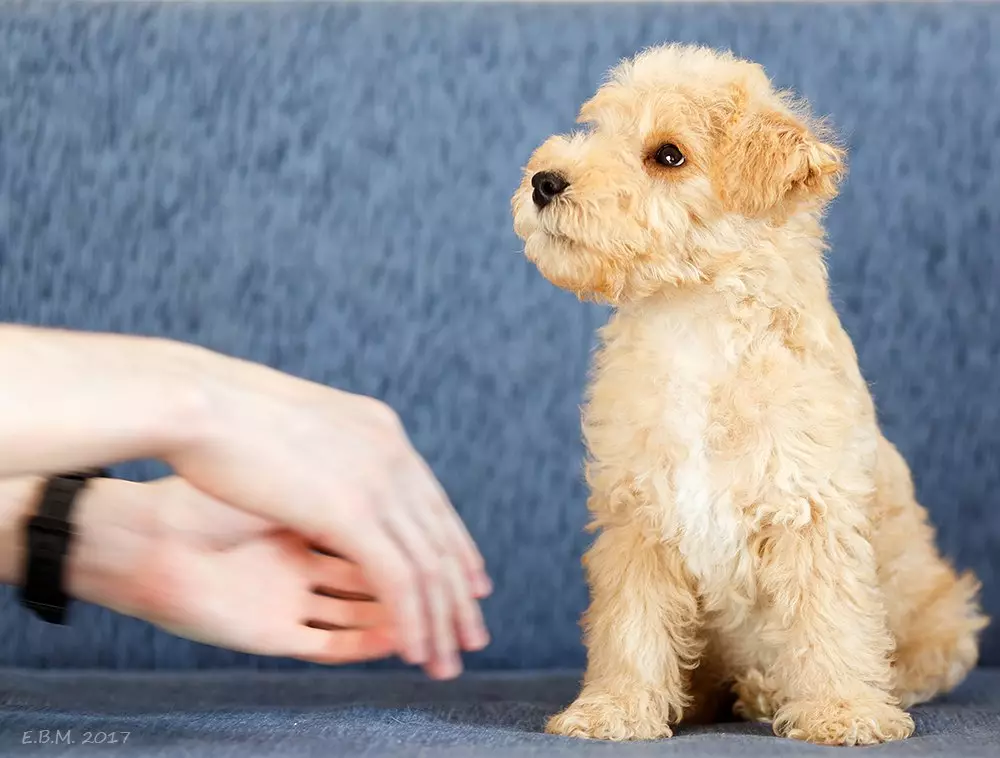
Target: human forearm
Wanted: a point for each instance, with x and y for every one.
(337, 468)
(72, 400)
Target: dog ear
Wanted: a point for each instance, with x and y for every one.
(769, 161)
(588, 111)
(609, 104)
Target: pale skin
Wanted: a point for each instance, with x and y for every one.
(274, 477)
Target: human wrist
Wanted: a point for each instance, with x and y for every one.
(110, 523)
(169, 396)
(185, 419)
(112, 535)
(213, 398)
(18, 499)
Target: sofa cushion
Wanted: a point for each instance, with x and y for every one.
(323, 714)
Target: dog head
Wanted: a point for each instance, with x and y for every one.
(686, 154)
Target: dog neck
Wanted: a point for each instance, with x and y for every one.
(756, 272)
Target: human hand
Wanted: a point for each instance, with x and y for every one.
(334, 467)
(167, 553)
(339, 469)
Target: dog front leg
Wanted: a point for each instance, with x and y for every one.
(642, 636)
(832, 671)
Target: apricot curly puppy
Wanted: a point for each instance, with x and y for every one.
(757, 531)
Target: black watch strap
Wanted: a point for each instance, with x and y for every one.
(49, 534)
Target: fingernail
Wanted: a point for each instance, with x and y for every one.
(443, 668)
(483, 585)
(480, 638)
(451, 666)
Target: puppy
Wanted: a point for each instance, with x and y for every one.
(757, 533)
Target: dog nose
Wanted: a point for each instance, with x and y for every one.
(547, 186)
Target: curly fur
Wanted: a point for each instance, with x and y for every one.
(757, 531)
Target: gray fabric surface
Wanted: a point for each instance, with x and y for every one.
(218, 714)
(325, 188)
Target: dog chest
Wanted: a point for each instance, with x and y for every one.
(707, 523)
(658, 375)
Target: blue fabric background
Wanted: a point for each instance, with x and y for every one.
(326, 189)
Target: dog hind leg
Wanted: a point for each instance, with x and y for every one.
(933, 612)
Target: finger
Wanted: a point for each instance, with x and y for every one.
(346, 646)
(472, 560)
(445, 662)
(339, 578)
(450, 528)
(333, 613)
(394, 580)
(469, 619)
(466, 615)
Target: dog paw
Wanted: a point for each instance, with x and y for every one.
(841, 722)
(602, 716)
(756, 698)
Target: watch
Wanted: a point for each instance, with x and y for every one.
(49, 536)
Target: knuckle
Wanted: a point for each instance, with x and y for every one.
(430, 571)
(384, 417)
(353, 493)
(353, 518)
(377, 493)
(396, 449)
(402, 580)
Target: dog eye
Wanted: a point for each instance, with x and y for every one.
(669, 156)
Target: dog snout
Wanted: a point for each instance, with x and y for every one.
(547, 185)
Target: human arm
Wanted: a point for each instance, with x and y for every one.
(332, 466)
(168, 554)
(75, 400)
